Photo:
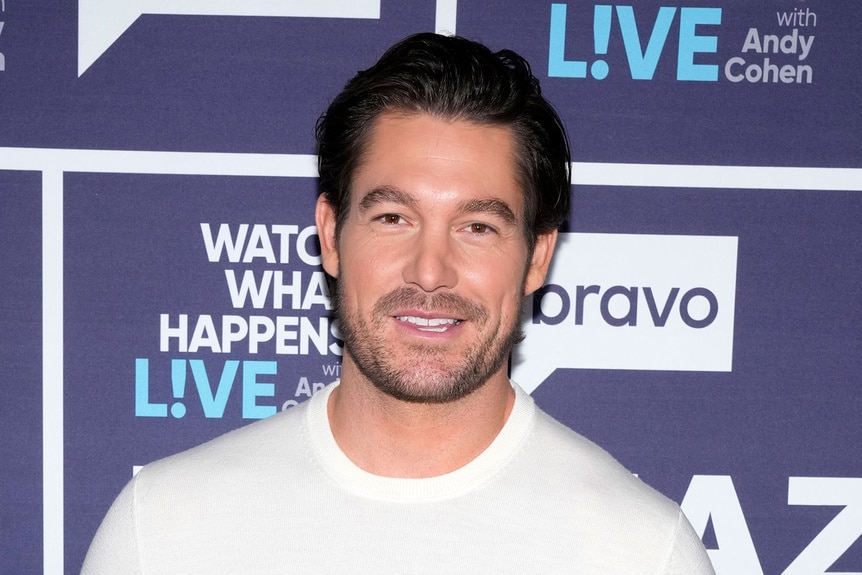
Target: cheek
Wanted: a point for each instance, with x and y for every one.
(365, 277)
(499, 286)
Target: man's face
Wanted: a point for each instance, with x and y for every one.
(432, 259)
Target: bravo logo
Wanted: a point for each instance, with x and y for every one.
(100, 23)
(619, 301)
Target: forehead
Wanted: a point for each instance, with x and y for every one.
(437, 159)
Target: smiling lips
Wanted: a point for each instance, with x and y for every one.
(429, 313)
(434, 324)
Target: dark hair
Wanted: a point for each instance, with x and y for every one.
(452, 78)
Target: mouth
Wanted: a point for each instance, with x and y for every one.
(429, 324)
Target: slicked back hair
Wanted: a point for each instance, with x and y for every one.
(451, 78)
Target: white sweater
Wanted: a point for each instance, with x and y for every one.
(279, 496)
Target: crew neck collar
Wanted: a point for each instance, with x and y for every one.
(349, 476)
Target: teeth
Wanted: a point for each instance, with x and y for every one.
(438, 324)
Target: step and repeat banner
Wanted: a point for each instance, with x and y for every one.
(702, 321)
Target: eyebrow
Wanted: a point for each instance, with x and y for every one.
(389, 194)
(386, 194)
(491, 206)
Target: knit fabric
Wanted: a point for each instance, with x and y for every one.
(279, 496)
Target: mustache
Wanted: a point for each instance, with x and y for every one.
(451, 304)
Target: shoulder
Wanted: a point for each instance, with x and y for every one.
(577, 461)
(584, 495)
(228, 461)
(178, 498)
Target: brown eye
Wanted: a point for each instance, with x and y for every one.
(479, 228)
(390, 219)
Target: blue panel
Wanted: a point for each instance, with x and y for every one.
(21, 358)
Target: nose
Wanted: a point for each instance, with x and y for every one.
(431, 262)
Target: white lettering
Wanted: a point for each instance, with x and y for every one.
(205, 335)
(261, 329)
(285, 335)
(246, 248)
(223, 241)
(752, 41)
(284, 232)
(317, 293)
(231, 335)
(714, 496)
(249, 288)
(252, 290)
(840, 533)
(302, 246)
(281, 289)
(805, 44)
(767, 72)
(791, 43)
(302, 388)
(166, 332)
(259, 246)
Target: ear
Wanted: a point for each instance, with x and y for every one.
(540, 261)
(324, 217)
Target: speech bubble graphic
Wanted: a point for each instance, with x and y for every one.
(101, 23)
(623, 301)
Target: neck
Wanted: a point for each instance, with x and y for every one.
(395, 438)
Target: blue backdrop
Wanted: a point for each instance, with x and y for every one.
(702, 320)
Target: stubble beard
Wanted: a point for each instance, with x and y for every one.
(426, 373)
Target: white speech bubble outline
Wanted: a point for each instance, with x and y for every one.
(101, 23)
(660, 262)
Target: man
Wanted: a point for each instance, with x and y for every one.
(444, 178)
